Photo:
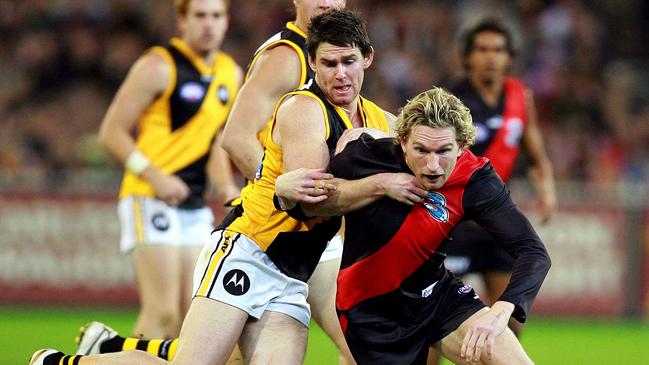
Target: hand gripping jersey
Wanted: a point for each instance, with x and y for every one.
(499, 129)
(176, 131)
(391, 246)
(295, 246)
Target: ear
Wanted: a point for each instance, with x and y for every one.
(311, 62)
(367, 61)
(462, 149)
(402, 142)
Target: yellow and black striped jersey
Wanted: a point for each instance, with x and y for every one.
(295, 246)
(177, 130)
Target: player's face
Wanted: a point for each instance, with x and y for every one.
(339, 72)
(204, 25)
(489, 59)
(431, 154)
(307, 9)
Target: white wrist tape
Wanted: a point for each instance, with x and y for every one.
(137, 162)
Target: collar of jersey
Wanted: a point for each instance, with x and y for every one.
(195, 59)
(293, 27)
(343, 115)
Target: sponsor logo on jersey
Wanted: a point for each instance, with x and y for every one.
(192, 92)
(426, 292)
(160, 221)
(236, 282)
(464, 289)
(223, 93)
(435, 203)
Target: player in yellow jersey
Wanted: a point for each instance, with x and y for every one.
(280, 65)
(178, 98)
(252, 288)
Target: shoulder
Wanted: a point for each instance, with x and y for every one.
(277, 57)
(154, 67)
(300, 102)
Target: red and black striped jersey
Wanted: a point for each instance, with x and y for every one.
(499, 129)
(389, 244)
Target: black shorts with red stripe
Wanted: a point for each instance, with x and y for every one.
(399, 327)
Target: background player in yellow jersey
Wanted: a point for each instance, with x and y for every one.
(279, 66)
(178, 98)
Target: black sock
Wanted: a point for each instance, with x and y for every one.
(114, 344)
(54, 359)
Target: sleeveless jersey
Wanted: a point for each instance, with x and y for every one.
(295, 246)
(177, 130)
(499, 129)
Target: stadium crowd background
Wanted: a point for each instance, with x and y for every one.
(587, 62)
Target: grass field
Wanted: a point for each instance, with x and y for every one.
(572, 342)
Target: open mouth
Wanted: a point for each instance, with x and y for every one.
(343, 89)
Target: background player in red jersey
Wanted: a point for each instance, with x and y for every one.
(504, 113)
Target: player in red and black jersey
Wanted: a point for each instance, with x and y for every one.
(395, 298)
(503, 111)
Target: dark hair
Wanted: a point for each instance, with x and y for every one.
(487, 25)
(342, 28)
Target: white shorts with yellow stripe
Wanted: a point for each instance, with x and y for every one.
(233, 269)
(147, 221)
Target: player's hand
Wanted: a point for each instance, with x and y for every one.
(353, 134)
(483, 331)
(403, 187)
(547, 205)
(304, 185)
(169, 188)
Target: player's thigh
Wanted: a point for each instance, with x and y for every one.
(322, 291)
(507, 349)
(275, 338)
(496, 283)
(158, 274)
(212, 322)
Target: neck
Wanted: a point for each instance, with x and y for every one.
(352, 113)
(301, 23)
(489, 89)
(207, 57)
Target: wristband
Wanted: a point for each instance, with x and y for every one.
(136, 162)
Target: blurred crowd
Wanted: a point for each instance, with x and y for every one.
(61, 61)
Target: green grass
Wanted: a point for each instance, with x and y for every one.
(573, 342)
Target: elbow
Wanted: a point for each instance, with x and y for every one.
(229, 141)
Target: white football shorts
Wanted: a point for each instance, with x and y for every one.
(149, 221)
(233, 269)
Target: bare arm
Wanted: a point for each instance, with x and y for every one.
(276, 72)
(540, 169)
(147, 79)
(322, 196)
